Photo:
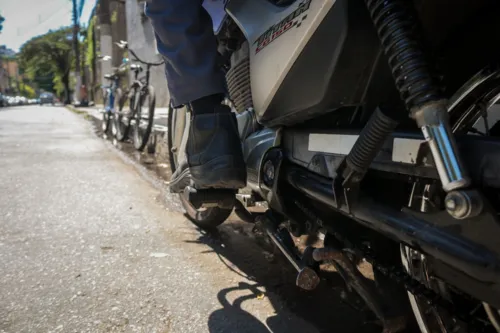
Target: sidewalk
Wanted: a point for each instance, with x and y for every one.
(157, 147)
(160, 122)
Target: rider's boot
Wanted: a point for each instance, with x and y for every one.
(214, 158)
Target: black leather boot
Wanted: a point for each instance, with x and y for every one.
(213, 151)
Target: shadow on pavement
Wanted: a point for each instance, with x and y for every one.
(231, 317)
(256, 260)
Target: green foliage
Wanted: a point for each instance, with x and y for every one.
(49, 55)
(13, 84)
(58, 85)
(21, 87)
(43, 77)
(7, 57)
(28, 91)
(89, 56)
(114, 17)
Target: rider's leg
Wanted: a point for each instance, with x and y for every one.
(185, 38)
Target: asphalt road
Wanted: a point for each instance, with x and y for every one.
(90, 243)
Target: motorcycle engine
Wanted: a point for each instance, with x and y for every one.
(238, 79)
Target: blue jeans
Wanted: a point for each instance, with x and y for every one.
(185, 38)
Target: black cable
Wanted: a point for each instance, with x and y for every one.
(145, 62)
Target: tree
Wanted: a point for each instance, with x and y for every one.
(51, 52)
(43, 76)
(91, 56)
(76, 46)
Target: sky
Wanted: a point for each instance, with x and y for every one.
(25, 19)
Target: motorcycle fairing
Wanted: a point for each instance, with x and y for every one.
(277, 35)
(309, 58)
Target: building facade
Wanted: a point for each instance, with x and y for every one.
(9, 75)
(124, 20)
(142, 40)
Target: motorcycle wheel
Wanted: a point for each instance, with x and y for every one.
(205, 218)
(471, 103)
(430, 319)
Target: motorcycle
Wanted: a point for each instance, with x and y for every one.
(370, 122)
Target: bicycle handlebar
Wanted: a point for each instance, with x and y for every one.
(124, 45)
(145, 62)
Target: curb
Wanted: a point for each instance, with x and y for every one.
(157, 144)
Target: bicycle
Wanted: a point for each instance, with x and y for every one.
(141, 94)
(112, 94)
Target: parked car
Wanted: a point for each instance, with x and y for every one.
(47, 98)
(3, 101)
(16, 100)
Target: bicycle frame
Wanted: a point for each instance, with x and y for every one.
(140, 85)
(137, 94)
(110, 93)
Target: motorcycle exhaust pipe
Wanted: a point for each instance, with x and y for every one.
(459, 254)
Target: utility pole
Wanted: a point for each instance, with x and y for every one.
(2, 76)
(76, 49)
(106, 41)
(93, 64)
(2, 19)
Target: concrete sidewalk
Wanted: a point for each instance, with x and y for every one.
(157, 144)
(160, 122)
(89, 243)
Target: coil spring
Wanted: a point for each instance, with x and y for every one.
(395, 28)
(370, 141)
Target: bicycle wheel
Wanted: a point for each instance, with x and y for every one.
(121, 120)
(105, 115)
(144, 118)
(116, 105)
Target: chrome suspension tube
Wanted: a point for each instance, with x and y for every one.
(432, 118)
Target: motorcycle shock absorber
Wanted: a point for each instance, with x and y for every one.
(419, 90)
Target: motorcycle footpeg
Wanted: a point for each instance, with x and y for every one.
(307, 276)
(221, 198)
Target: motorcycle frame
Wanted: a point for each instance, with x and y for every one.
(464, 253)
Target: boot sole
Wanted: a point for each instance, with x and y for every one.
(215, 179)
